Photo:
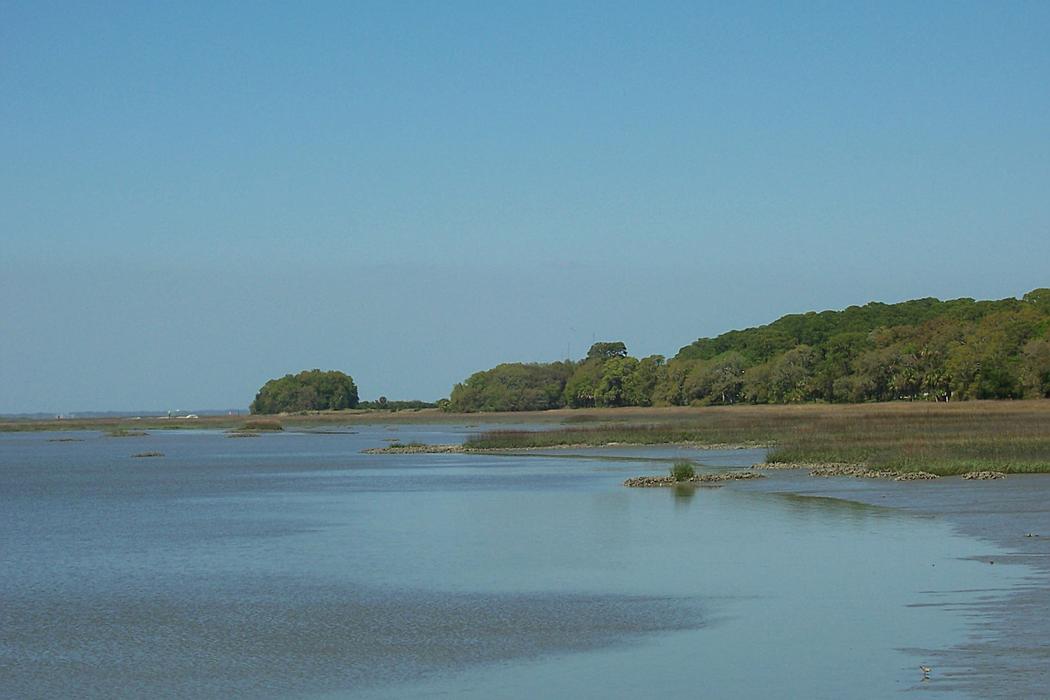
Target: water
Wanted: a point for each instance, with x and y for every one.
(291, 565)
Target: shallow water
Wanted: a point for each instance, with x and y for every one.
(291, 565)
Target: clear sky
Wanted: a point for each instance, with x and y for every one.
(197, 197)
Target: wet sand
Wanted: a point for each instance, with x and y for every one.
(1010, 656)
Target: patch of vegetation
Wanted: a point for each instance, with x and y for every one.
(124, 432)
(261, 426)
(682, 470)
(310, 390)
(921, 350)
(382, 404)
(512, 387)
(610, 435)
(943, 439)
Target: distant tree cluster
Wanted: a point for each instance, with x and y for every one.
(916, 350)
(606, 377)
(310, 390)
(383, 404)
(513, 387)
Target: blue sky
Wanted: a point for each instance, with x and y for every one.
(196, 197)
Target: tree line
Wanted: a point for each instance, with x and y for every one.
(923, 349)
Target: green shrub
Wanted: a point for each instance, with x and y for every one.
(683, 470)
(268, 425)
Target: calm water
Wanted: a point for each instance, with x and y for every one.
(291, 565)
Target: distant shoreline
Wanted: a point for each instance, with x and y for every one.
(940, 438)
(652, 414)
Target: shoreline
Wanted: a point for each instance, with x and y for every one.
(579, 417)
(1010, 657)
(422, 448)
(816, 469)
(900, 437)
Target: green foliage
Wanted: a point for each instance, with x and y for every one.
(683, 470)
(512, 387)
(581, 389)
(641, 383)
(607, 351)
(609, 378)
(923, 349)
(384, 404)
(310, 390)
(1035, 367)
(760, 344)
(916, 350)
(1040, 299)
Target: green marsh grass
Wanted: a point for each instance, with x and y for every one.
(262, 425)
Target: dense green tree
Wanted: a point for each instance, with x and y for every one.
(1039, 299)
(642, 383)
(670, 386)
(792, 375)
(607, 351)
(612, 389)
(722, 379)
(581, 389)
(601, 379)
(512, 387)
(757, 383)
(310, 390)
(1035, 369)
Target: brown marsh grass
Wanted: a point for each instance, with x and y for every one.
(1011, 436)
(953, 438)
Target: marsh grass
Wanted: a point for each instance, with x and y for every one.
(262, 425)
(946, 439)
(124, 432)
(654, 434)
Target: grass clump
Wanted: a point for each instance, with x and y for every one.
(124, 432)
(257, 426)
(682, 470)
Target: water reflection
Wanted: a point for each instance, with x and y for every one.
(805, 505)
(683, 493)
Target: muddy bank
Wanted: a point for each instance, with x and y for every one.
(867, 473)
(415, 449)
(663, 481)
